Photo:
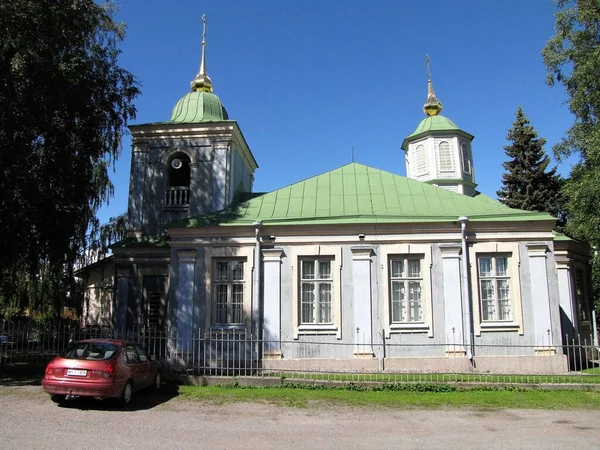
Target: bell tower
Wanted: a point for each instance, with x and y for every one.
(438, 152)
(192, 164)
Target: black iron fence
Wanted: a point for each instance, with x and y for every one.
(236, 353)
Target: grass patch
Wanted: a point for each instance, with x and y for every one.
(396, 396)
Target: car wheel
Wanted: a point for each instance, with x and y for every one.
(58, 399)
(127, 393)
(157, 381)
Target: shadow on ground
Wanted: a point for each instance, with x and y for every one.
(141, 400)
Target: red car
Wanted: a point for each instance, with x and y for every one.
(101, 368)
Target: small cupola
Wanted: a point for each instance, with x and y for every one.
(200, 105)
(438, 152)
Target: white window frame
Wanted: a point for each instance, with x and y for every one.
(466, 157)
(406, 280)
(330, 253)
(421, 160)
(408, 251)
(243, 253)
(445, 156)
(510, 249)
(233, 281)
(321, 305)
(497, 281)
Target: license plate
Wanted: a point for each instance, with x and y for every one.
(76, 373)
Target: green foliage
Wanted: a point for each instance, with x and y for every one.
(572, 57)
(400, 395)
(64, 106)
(527, 184)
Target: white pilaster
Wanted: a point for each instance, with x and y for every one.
(272, 301)
(455, 304)
(184, 295)
(137, 181)
(540, 297)
(122, 301)
(361, 277)
(566, 291)
(219, 173)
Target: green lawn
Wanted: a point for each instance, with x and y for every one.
(408, 397)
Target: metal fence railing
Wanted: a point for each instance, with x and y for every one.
(236, 353)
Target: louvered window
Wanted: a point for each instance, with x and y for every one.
(445, 157)
(466, 158)
(421, 160)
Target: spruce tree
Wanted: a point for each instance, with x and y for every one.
(527, 184)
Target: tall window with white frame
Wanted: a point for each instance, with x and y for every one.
(316, 289)
(445, 157)
(406, 282)
(494, 288)
(421, 160)
(466, 157)
(228, 288)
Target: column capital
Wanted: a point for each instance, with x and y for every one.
(272, 254)
(140, 146)
(536, 249)
(221, 144)
(123, 272)
(362, 252)
(451, 250)
(187, 256)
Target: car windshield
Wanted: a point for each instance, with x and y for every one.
(96, 351)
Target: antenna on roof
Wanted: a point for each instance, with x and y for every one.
(353, 153)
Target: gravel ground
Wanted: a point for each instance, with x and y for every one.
(29, 420)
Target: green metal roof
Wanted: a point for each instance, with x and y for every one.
(431, 125)
(434, 123)
(198, 107)
(356, 193)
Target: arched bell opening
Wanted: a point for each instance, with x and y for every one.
(178, 182)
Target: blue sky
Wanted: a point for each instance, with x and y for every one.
(308, 80)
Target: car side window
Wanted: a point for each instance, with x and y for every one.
(142, 353)
(130, 355)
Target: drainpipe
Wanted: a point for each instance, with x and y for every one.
(256, 289)
(467, 292)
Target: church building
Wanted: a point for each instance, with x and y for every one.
(423, 266)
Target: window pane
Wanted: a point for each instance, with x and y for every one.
(237, 271)
(414, 298)
(503, 290)
(487, 290)
(308, 270)
(465, 158)
(485, 267)
(414, 268)
(397, 268)
(445, 156)
(501, 263)
(222, 271)
(324, 303)
(421, 160)
(221, 303)
(237, 304)
(324, 270)
(487, 312)
(307, 303)
(397, 300)
(504, 309)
